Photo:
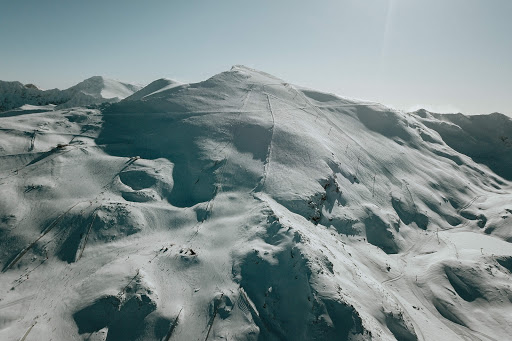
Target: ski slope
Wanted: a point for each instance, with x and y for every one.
(247, 208)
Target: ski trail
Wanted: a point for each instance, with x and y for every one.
(266, 165)
(410, 196)
(393, 279)
(471, 202)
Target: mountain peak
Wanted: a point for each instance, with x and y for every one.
(101, 87)
(157, 86)
(94, 79)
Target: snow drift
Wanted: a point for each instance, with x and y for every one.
(245, 208)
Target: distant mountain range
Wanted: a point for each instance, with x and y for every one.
(92, 91)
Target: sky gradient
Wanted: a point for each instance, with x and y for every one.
(444, 55)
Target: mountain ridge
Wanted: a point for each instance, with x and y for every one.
(92, 91)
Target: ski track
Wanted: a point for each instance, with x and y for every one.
(266, 165)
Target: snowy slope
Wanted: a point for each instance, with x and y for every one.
(101, 87)
(94, 90)
(15, 94)
(485, 138)
(246, 208)
(157, 87)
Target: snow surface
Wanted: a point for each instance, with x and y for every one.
(92, 91)
(246, 208)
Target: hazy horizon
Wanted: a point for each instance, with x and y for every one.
(445, 57)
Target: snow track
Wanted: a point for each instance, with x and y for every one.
(268, 157)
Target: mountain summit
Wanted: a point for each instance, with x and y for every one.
(243, 207)
(100, 87)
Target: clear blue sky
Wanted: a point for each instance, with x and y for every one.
(441, 54)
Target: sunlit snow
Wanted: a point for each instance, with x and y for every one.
(247, 208)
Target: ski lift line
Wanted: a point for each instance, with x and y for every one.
(173, 326)
(44, 160)
(18, 170)
(212, 319)
(32, 141)
(22, 154)
(58, 234)
(43, 233)
(59, 219)
(121, 293)
(28, 331)
(82, 248)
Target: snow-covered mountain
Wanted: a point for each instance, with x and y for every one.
(92, 91)
(246, 208)
(157, 87)
(104, 88)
